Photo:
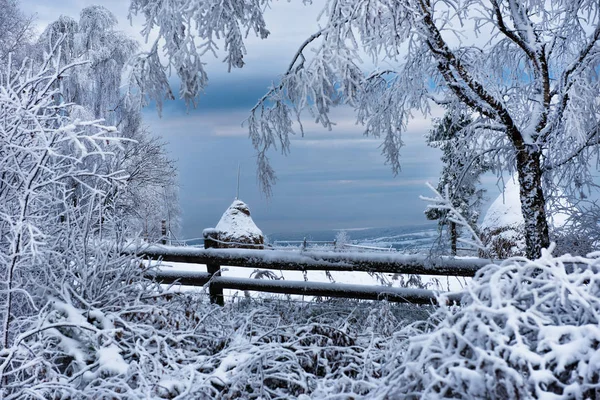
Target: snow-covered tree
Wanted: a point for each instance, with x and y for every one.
(341, 240)
(16, 32)
(95, 86)
(460, 173)
(71, 304)
(42, 149)
(527, 70)
(152, 192)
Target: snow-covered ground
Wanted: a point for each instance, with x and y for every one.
(405, 238)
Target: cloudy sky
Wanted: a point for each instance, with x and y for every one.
(331, 180)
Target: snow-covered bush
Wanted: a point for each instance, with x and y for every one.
(171, 344)
(341, 240)
(79, 344)
(275, 350)
(525, 329)
(57, 277)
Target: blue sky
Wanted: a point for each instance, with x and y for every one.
(331, 180)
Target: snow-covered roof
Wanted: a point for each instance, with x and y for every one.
(236, 223)
(505, 211)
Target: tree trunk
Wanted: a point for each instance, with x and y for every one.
(453, 238)
(533, 203)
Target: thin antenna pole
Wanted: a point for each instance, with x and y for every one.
(237, 194)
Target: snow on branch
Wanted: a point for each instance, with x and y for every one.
(191, 30)
(526, 329)
(440, 202)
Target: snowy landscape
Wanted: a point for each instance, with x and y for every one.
(105, 294)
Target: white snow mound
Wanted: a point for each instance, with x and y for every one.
(237, 225)
(505, 211)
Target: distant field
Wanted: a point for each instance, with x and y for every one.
(413, 238)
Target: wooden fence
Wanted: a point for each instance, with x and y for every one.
(214, 258)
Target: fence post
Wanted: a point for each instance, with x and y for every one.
(163, 231)
(216, 294)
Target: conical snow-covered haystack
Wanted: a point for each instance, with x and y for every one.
(237, 229)
(503, 224)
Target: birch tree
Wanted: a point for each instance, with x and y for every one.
(527, 70)
(103, 55)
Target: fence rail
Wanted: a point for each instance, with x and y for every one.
(320, 260)
(214, 258)
(350, 291)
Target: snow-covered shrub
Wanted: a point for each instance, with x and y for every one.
(341, 240)
(285, 350)
(504, 242)
(73, 341)
(525, 329)
(264, 349)
(65, 288)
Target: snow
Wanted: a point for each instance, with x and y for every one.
(110, 361)
(236, 223)
(70, 313)
(168, 388)
(227, 367)
(505, 211)
(79, 345)
(69, 346)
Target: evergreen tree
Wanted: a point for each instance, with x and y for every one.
(460, 174)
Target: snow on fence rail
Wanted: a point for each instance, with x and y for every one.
(320, 260)
(362, 292)
(309, 261)
(358, 246)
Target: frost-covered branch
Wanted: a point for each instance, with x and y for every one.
(440, 202)
(527, 328)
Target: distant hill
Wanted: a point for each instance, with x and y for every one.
(403, 238)
(412, 237)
